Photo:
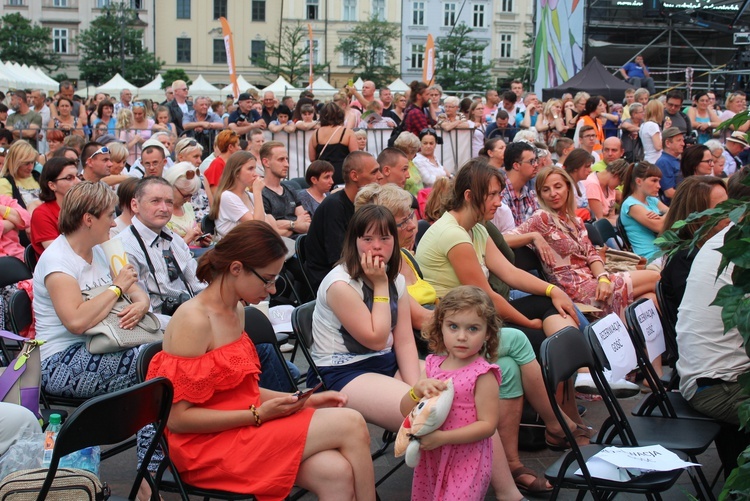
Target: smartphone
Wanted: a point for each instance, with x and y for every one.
(204, 236)
(350, 82)
(304, 394)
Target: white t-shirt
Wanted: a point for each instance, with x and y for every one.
(231, 210)
(647, 131)
(428, 170)
(332, 345)
(503, 219)
(60, 257)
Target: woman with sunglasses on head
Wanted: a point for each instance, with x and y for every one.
(642, 213)
(188, 149)
(185, 180)
(58, 176)
(428, 165)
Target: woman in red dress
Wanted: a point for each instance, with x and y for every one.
(224, 431)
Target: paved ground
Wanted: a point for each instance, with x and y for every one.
(119, 471)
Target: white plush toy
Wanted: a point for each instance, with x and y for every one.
(427, 416)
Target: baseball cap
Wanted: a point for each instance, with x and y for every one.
(739, 138)
(671, 132)
(281, 318)
(245, 96)
(155, 142)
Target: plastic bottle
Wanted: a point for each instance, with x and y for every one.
(50, 435)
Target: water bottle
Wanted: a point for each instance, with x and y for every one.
(50, 435)
(88, 459)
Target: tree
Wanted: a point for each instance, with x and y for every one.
(173, 74)
(25, 43)
(288, 57)
(372, 51)
(522, 69)
(114, 44)
(459, 64)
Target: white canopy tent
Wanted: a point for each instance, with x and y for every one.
(243, 85)
(321, 88)
(35, 78)
(7, 79)
(22, 80)
(152, 90)
(54, 83)
(201, 87)
(115, 85)
(398, 85)
(281, 88)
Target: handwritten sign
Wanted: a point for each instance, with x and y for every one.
(648, 319)
(616, 344)
(620, 464)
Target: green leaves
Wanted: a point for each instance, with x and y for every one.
(288, 57)
(25, 43)
(372, 46)
(460, 64)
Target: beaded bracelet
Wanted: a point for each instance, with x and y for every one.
(413, 395)
(258, 422)
(381, 299)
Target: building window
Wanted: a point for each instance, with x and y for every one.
(60, 40)
(417, 56)
(350, 10)
(315, 53)
(258, 10)
(417, 18)
(100, 4)
(60, 3)
(220, 53)
(378, 9)
(449, 14)
(183, 50)
(220, 8)
(137, 4)
(478, 16)
(506, 5)
(477, 59)
(380, 57)
(506, 46)
(15, 2)
(348, 58)
(183, 9)
(312, 9)
(257, 51)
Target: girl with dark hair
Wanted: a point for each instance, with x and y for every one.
(702, 117)
(59, 175)
(332, 141)
(262, 441)
(594, 108)
(642, 213)
(696, 160)
(415, 118)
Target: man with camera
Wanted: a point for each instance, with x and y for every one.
(166, 269)
(245, 118)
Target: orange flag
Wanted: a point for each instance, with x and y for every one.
(428, 67)
(229, 47)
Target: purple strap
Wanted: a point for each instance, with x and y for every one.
(11, 336)
(9, 377)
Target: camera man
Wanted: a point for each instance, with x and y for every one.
(166, 268)
(245, 118)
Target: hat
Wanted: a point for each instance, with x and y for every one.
(281, 318)
(155, 142)
(739, 138)
(245, 96)
(108, 138)
(671, 132)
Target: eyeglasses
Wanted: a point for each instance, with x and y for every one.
(267, 284)
(407, 220)
(533, 161)
(68, 178)
(589, 136)
(101, 151)
(192, 173)
(710, 161)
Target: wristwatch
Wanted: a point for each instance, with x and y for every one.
(291, 225)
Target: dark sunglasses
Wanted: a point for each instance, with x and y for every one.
(192, 173)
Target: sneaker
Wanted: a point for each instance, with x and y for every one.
(581, 410)
(624, 389)
(286, 347)
(585, 384)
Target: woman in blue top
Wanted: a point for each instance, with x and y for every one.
(642, 213)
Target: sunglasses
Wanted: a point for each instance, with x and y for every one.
(101, 151)
(192, 173)
(139, 105)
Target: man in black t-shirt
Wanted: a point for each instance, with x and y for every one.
(280, 201)
(245, 118)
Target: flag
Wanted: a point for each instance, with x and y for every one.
(428, 67)
(229, 47)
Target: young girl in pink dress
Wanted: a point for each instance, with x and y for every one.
(456, 459)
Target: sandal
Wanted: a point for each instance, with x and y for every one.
(537, 486)
(558, 443)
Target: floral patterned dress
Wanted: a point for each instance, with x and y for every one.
(574, 253)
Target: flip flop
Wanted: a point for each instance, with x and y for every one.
(538, 486)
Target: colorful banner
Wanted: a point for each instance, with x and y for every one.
(558, 45)
(229, 47)
(428, 67)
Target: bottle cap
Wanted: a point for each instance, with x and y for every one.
(55, 419)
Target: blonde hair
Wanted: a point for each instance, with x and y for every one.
(183, 147)
(654, 111)
(462, 298)
(570, 203)
(390, 196)
(407, 142)
(124, 119)
(118, 152)
(84, 198)
(19, 153)
(175, 176)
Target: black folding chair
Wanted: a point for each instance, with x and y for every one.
(562, 355)
(111, 419)
(299, 250)
(30, 257)
(623, 235)
(607, 231)
(594, 235)
(260, 330)
(208, 225)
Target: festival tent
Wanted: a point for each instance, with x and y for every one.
(22, 80)
(152, 90)
(7, 79)
(39, 82)
(54, 83)
(115, 85)
(201, 87)
(243, 85)
(280, 87)
(321, 88)
(398, 85)
(594, 79)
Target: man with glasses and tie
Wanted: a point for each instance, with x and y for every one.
(96, 162)
(521, 165)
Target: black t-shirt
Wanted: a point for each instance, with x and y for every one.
(280, 206)
(325, 238)
(251, 117)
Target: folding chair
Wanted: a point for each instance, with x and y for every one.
(208, 225)
(690, 436)
(527, 260)
(562, 355)
(124, 412)
(299, 250)
(623, 235)
(13, 271)
(594, 235)
(30, 257)
(260, 330)
(607, 231)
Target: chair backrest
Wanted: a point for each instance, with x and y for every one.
(12, 271)
(302, 321)
(669, 321)
(607, 231)
(29, 256)
(260, 330)
(527, 260)
(299, 250)
(623, 235)
(111, 419)
(208, 225)
(594, 235)
(19, 311)
(145, 355)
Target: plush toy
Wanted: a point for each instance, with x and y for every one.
(427, 416)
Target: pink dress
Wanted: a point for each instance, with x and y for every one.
(574, 252)
(456, 471)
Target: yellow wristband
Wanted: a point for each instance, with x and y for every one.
(413, 395)
(605, 280)
(548, 292)
(7, 212)
(381, 299)
(116, 289)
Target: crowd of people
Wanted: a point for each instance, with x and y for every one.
(405, 258)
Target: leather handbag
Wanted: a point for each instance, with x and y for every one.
(19, 381)
(107, 336)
